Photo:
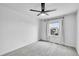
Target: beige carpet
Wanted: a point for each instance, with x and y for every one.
(41, 48)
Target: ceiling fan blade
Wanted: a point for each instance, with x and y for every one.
(50, 10)
(42, 6)
(38, 14)
(46, 13)
(34, 10)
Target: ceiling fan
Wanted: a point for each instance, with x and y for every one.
(43, 11)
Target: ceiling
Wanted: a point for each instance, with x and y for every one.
(23, 8)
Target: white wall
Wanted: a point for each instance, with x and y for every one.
(70, 29)
(77, 42)
(42, 30)
(69, 25)
(15, 30)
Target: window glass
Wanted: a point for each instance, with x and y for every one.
(54, 28)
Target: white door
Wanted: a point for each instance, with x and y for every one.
(54, 31)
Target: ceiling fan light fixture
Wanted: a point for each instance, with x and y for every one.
(43, 14)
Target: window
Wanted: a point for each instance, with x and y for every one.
(54, 28)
